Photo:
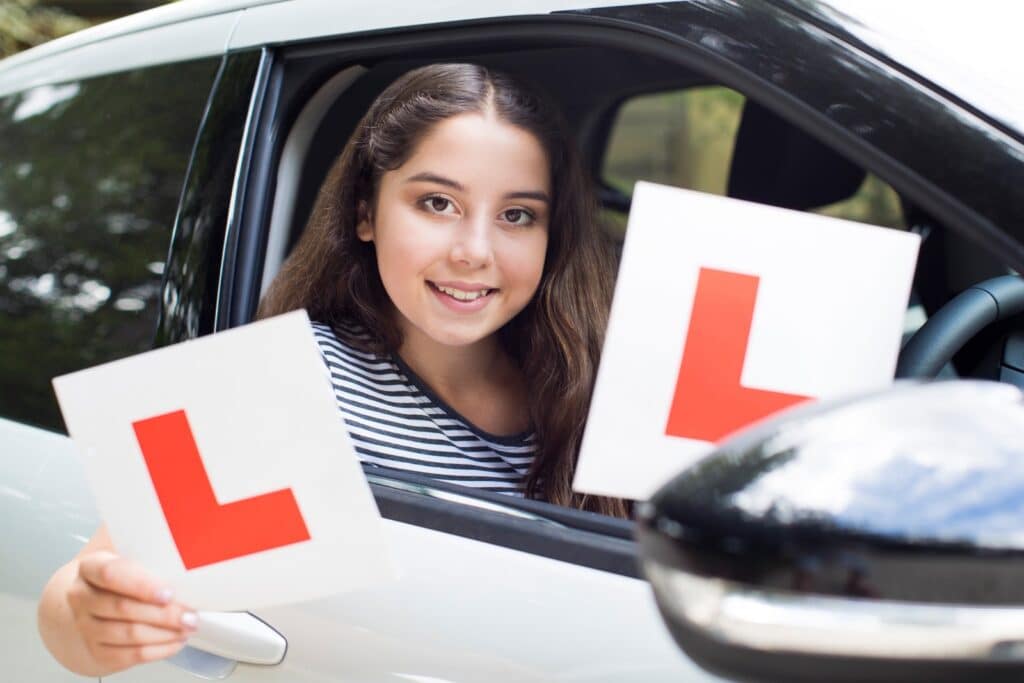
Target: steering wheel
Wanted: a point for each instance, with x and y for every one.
(953, 325)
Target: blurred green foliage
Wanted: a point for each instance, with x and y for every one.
(26, 23)
(681, 138)
(90, 176)
(685, 138)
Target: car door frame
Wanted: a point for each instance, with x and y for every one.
(647, 29)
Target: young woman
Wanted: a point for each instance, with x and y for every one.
(461, 288)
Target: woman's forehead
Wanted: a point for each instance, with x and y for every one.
(480, 150)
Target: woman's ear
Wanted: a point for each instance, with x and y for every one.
(364, 226)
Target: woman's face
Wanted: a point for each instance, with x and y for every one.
(461, 229)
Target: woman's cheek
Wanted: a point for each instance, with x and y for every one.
(528, 266)
(408, 239)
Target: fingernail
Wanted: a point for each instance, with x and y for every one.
(190, 619)
(164, 595)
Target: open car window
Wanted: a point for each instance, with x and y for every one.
(610, 83)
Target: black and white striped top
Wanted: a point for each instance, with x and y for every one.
(396, 421)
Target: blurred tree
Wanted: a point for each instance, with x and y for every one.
(26, 23)
(90, 176)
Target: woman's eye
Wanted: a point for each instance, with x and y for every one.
(518, 216)
(438, 205)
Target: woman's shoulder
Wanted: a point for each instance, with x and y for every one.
(348, 339)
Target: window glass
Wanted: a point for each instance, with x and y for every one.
(682, 138)
(686, 138)
(90, 177)
(875, 202)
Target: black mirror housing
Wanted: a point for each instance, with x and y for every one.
(878, 538)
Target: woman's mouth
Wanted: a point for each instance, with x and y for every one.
(462, 299)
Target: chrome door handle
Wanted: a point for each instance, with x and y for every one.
(239, 636)
(225, 639)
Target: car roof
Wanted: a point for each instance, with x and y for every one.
(969, 51)
(358, 15)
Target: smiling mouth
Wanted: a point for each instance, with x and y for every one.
(461, 294)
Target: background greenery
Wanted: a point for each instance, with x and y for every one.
(90, 176)
(26, 23)
(685, 138)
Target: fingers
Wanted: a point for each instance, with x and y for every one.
(175, 616)
(110, 572)
(123, 615)
(115, 588)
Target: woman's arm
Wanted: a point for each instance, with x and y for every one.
(101, 613)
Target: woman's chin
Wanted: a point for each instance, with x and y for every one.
(459, 335)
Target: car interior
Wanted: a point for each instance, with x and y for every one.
(772, 162)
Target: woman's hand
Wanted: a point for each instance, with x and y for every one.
(102, 613)
(125, 616)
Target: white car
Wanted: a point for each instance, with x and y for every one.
(154, 172)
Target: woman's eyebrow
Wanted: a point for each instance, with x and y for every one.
(434, 178)
(539, 196)
(428, 177)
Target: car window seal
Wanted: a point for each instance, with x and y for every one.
(425, 489)
(496, 527)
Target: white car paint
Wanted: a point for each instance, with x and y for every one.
(971, 49)
(322, 18)
(466, 611)
(46, 516)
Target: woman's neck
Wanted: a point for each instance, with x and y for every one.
(478, 380)
(450, 368)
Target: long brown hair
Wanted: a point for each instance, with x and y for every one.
(556, 340)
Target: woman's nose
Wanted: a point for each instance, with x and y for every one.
(472, 245)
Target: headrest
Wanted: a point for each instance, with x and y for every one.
(777, 164)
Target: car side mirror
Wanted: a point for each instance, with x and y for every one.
(879, 538)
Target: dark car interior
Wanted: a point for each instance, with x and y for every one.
(773, 162)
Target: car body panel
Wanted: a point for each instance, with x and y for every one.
(494, 614)
(323, 18)
(46, 515)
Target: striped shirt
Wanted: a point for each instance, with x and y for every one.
(396, 421)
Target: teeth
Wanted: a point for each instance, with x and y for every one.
(463, 296)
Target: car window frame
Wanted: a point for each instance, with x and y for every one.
(271, 116)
